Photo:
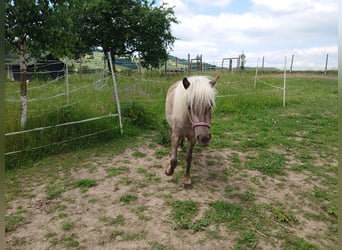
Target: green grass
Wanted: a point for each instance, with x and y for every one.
(107, 220)
(268, 163)
(247, 240)
(131, 236)
(183, 212)
(114, 171)
(13, 221)
(68, 225)
(128, 198)
(54, 191)
(84, 184)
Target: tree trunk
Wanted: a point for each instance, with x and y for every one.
(23, 78)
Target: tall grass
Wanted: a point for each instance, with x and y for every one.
(241, 109)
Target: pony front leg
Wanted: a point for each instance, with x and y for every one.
(175, 141)
(187, 180)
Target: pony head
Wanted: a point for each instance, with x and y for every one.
(200, 101)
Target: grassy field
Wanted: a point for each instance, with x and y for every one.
(268, 179)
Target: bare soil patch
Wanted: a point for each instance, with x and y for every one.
(104, 217)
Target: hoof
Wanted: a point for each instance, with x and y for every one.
(187, 186)
(169, 172)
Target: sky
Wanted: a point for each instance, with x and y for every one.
(269, 29)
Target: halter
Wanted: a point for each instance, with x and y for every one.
(198, 124)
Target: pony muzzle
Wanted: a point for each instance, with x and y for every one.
(203, 139)
(202, 132)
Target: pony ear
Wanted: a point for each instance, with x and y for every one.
(186, 83)
(213, 82)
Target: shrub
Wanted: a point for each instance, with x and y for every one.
(138, 116)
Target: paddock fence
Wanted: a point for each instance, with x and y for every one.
(57, 95)
(56, 92)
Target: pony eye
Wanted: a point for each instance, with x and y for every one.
(189, 107)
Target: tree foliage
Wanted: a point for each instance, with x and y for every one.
(129, 27)
(73, 27)
(42, 26)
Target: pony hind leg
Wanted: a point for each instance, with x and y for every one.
(181, 145)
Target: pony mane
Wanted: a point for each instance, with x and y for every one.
(200, 94)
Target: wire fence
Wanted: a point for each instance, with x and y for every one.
(50, 94)
(95, 89)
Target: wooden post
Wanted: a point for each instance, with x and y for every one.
(23, 79)
(201, 63)
(115, 90)
(67, 81)
(284, 87)
(189, 64)
(263, 64)
(291, 63)
(326, 65)
(256, 73)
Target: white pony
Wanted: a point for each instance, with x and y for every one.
(188, 108)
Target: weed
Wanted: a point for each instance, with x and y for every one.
(53, 238)
(128, 198)
(213, 234)
(115, 233)
(222, 211)
(126, 180)
(13, 221)
(68, 225)
(138, 154)
(298, 244)
(246, 241)
(112, 171)
(84, 184)
(160, 153)
(109, 221)
(281, 215)
(130, 236)
(154, 245)
(183, 212)
(62, 215)
(163, 134)
(70, 241)
(247, 196)
(141, 170)
(137, 115)
(53, 191)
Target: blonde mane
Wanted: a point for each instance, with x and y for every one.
(199, 95)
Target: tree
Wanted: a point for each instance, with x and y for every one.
(127, 27)
(150, 34)
(24, 23)
(32, 28)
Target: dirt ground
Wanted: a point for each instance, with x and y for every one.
(98, 218)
